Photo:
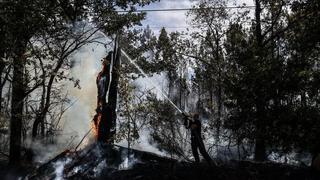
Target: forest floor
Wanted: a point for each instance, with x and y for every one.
(153, 167)
(235, 170)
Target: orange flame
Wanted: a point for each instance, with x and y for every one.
(95, 124)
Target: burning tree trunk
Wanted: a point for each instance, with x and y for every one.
(107, 84)
(102, 120)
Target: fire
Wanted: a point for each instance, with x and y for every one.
(95, 124)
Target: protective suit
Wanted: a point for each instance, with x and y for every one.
(194, 125)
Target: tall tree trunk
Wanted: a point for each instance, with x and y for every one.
(260, 147)
(18, 90)
(258, 24)
(219, 84)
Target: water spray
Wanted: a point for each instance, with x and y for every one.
(153, 84)
(145, 75)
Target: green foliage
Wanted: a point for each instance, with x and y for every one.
(38, 39)
(273, 85)
(140, 45)
(166, 126)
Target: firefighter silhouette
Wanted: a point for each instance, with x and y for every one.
(194, 125)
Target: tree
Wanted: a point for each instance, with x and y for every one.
(267, 84)
(165, 60)
(25, 20)
(210, 17)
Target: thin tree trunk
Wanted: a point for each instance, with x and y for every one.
(39, 115)
(43, 113)
(1, 71)
(170, 86)
(0, 98)
(219, 109)
(3, 80)
(129, 133)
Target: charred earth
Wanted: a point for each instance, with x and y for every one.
(101, 161)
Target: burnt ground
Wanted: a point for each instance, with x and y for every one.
(230, 171)
(90, 163)
(11, 173)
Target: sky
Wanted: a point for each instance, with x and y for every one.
(175, 20)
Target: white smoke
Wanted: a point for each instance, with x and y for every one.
(144, 143)
(128, 162)
(77, 119)
(59, 167)
(159, 79)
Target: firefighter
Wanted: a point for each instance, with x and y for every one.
(194, 125)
